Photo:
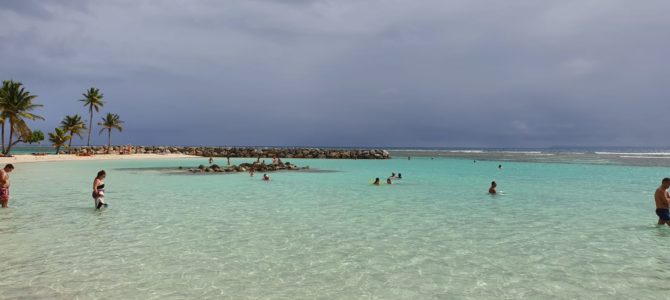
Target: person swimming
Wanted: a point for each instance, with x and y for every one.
(376, 181)
(492, 189)
(500, 167)
(388, 181)
(392, 174)
(266, 177)
(99, 190)
(399, 176)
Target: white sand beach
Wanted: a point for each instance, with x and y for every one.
(29, 158)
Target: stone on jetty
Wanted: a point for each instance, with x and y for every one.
(263, 152)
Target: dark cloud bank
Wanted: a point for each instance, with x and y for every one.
(351, 72)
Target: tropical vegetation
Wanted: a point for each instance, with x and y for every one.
(73, 125)
(16, 106)
(109, 122)
(58, 138)
(92, 100)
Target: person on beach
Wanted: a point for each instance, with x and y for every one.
(662, 199)
(492, 189)
(4, 184)
(376, 181)
(266, 177)
(99, 190)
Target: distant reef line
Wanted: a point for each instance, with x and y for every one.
(255, 152)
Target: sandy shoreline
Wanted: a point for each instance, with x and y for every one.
(29, 158)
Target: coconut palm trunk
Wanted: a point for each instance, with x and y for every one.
(109, 141)
(11, 137)
(90, 128)
(3, 136)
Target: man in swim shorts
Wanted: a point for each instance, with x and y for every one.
(662, 202)
(4, 184)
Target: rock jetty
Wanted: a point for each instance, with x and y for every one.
(254, 152)
(246, 167)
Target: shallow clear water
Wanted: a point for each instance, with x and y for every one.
(559, 231)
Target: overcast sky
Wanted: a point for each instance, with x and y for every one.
(350, 72)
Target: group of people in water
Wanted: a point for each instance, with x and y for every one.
(389, 179)
(661, 196)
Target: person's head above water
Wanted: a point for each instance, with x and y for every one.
(492, 189)
(101, 174)
(665, 183)
(8, 168)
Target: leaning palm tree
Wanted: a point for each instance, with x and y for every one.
(92, 100)
(109, 122)
(74, 125)
(16, 105)
(59, 138)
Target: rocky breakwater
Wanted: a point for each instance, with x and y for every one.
(241, 152)
(246, 167)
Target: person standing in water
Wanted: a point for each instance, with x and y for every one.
(99, 190)
(376, 181)
(662, 206)
(492, 189)
(4, 184)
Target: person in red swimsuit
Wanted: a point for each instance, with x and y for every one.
(4, 184)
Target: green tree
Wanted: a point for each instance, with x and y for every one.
(36, 137)
(74, 125)
(16, 104)
(92, 100)
(109, 122)
(59, 138)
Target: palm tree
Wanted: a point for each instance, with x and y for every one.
(59, 138)
(92, 100)
(15, 106)
(109, 122)
(74, 125)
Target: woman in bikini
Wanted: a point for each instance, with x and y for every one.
(99, 190)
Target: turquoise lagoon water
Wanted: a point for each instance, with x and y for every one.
(559, 231)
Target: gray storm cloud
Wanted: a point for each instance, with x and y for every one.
(351, 73)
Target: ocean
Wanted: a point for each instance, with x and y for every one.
(568, 225)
